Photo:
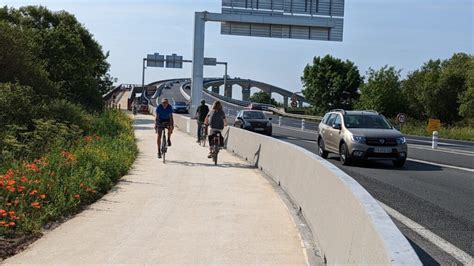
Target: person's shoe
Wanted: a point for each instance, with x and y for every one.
(197, 141)
(209, 155)
(159, 155)
(169, 143)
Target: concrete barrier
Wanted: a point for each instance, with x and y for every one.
(348, 224)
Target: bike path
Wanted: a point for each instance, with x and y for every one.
(186, 211)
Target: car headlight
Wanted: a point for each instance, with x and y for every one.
(401, 140)
(358, 139)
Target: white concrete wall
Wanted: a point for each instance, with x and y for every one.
(348, 224)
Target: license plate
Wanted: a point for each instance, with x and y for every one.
(382, 150)
(259, 129)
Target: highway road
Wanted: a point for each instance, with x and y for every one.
(435, 188)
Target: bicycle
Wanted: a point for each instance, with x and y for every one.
(216, 145)
(164, 141)
(203, 135)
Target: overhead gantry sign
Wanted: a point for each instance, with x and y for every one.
(295, 19)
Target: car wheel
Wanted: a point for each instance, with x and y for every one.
(321, 151)
(344, 154)
(399, 163)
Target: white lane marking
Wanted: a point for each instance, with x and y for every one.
(458, 152)
(295, 129)
(442, 244)
(442, 165)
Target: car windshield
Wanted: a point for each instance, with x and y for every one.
(366, 121)
(254, 115)
(180, 103)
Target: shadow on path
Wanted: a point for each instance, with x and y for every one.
(211, 164)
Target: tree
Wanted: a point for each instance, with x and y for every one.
(466, 99)
(73, 59)
(435, 89)
(331, 83)
(263, 97)
(19, 62)
(382, 92)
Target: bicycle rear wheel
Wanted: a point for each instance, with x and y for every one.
(214, 157)
(203, 140)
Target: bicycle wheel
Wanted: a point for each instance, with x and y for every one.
(203, 140)
(164, 146)
(214, 157)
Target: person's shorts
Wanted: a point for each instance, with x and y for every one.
(162, 124)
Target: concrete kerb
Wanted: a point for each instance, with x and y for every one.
(348, 224)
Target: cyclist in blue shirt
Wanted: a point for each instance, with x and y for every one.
(164, 119)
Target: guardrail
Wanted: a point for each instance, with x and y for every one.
(285, 114)
(185, 95)
(347, 223)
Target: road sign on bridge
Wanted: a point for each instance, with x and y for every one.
(293, 19)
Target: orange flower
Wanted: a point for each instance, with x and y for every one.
(21, 188)
(36, 205)
(88, 138)
(11, 224)
(32, 193)
(11, 213)
(4, 214)
(2, 211)
(23, 179)
(32, 167)
(9, 174)
(11, 182)
(42, 196)
(2, 223)
(77, 196)
(43, 161)
(10, 188)
(68, 156)
(16, 202)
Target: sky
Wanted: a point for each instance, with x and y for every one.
(400, 33)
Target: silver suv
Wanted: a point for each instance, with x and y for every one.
(361, 135)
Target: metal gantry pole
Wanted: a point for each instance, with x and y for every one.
(225, 76)
(143, 79)
(198, 60)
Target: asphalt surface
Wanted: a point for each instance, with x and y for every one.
(435, 194)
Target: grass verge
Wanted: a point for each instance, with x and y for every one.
(61, 182)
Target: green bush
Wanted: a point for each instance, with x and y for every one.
(67, 177)
(66, 112)
(460, 131)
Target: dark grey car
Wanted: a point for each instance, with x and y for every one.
(254, 121)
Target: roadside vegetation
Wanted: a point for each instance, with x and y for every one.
(59, 148)
(440, 89)
(263, 97)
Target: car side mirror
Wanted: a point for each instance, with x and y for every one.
(270, 118)
(240, 118)
(336, 126)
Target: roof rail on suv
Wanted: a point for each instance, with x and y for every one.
(371, 111)
(339, 110)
